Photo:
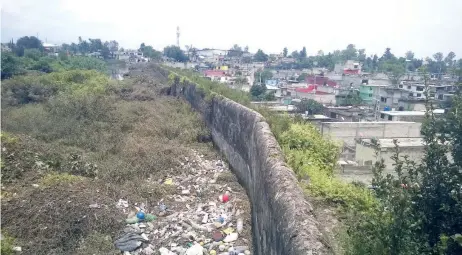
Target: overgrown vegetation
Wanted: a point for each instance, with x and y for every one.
(75, 138)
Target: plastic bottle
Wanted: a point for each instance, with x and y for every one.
(239, 225)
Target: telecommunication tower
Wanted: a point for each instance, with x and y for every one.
(178, 36)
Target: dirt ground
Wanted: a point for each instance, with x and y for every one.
(69, 188)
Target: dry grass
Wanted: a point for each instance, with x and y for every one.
(90, 150)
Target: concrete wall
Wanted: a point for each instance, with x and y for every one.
(282, 220)
(367, 153)
(346, 132)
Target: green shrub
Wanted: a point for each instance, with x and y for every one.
(36, 89)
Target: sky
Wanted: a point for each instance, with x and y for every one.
(423, 26)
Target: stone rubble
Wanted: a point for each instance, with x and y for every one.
(193, 221)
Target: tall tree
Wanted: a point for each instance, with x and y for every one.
(303, 53)
(362, 55)
(295, 54)
(174, 52)
(235, 51)
(350, 53)
(284, 52)
(387, 55)
(409, 55)
(260, 56)
(438, 56)
(394, 69)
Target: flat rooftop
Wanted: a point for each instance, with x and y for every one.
(402, 142)
(410, 113)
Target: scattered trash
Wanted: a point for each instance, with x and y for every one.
(230, 238)
(122, 204)
(148, 251)
(132, 220)
(165, 251)
(228, 231)
(149, 217)
(35, 185)
(194, 222)
(140, 215)
(217, 236)
(240, 225)
(195, 250)
(94, 206)
(17, 248)
(129, 242)
(224, 198)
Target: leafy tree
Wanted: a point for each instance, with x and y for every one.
(284, 52)
(352, 98)
(362, 55)
(350, 53)
(175, 53)
(29, 42)
(310, 105)
(409, 55)
(449, 59)
(269, 96)
(260, 56)
(394, 70)
(235, 51)
(150, 52)
(10, 65)
(95, 45)
(438, 57)
(387, 55)
(295, 54)
(246, 49)
(258, 91)
(303, 52)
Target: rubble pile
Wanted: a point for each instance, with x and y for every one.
(208, 215)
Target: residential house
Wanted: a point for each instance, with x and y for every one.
(51, 48)
(369, 92)
(350, 67)
(217, 75)
(311, 93)
(414, 116)
(346, 113)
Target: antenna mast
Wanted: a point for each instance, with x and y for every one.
(178, 36)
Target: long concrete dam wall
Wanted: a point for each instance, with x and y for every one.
(282, 220)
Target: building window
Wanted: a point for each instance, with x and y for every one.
(382, 116)
(390, 117)
(419, 95)
(383, 99)
(408, 87)
(411, 94)
(400, 86)
(370, 95)
(370, 88)
(420, 88)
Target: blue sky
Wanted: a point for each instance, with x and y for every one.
(423, 26)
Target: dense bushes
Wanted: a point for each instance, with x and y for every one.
(35, 89)
(34, 60)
